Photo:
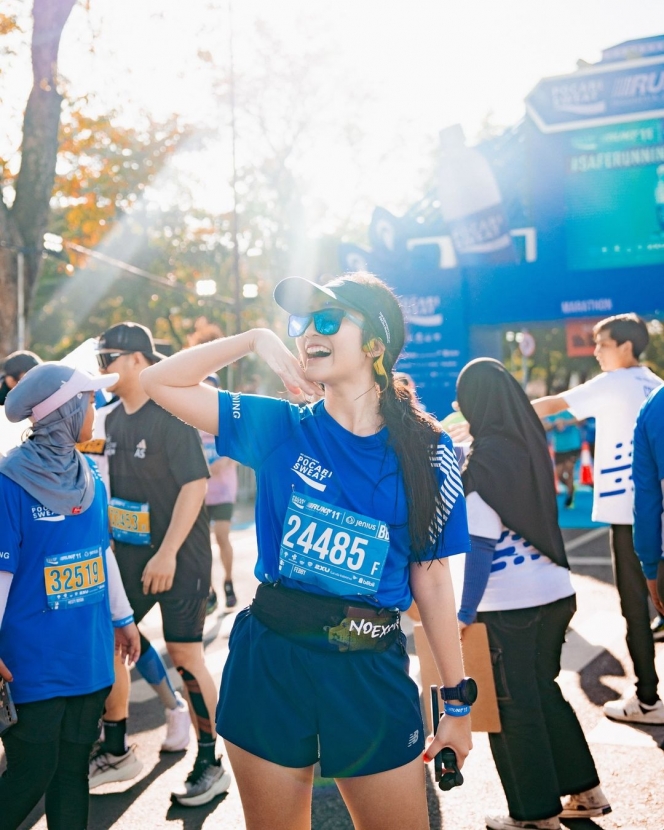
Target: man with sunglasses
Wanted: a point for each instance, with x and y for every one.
(158, 478)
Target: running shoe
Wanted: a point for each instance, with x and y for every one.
(657, 628)
(178, 723)
(509, 823)
(212, 603)
(106, 768)
(632, 710)
(205, 782)
(231, 599)
(588, 804)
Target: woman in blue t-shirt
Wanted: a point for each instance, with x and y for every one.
(61, 598)
(517, 582)
(358, 505)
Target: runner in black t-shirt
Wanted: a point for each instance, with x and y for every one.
(158, 475)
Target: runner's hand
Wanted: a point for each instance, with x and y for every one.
(459, 433)
(283, 363)
(5, 673)
(159, 573)
(127, 642)
(452, 732)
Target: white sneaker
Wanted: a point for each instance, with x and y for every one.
(106, 768)
(586, 804)
(178, 723)
(509, 823)
(205, 782)
(633, 710)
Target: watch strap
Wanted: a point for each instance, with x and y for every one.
(456, 711)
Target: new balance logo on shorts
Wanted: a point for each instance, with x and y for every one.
(413, 737)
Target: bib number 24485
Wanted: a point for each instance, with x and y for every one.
(338, 550)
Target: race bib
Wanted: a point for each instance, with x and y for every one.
(337, 550)
(130, 521)
(74, 579)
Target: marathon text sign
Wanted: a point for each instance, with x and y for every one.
(605, 94)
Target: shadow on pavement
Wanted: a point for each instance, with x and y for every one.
(328, 811)
(106, 809)
(193, 818)
(605, 664)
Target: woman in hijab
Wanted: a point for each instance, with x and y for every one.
(61, 598)
(517, 582)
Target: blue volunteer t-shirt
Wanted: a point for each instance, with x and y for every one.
(331, 504)
(648, 474)
(567, 439)
(56, 635)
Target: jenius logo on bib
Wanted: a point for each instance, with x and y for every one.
(311, 472)
(337, 550)
(130, 521)
(74, 579)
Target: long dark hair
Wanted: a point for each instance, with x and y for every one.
(413, 433)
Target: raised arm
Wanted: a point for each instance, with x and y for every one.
(550, 405)
(176, 383)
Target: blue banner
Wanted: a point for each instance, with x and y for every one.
(437, 334)
(608, 94)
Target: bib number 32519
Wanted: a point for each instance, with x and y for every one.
(338, 550)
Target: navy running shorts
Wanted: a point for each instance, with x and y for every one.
(358, 713)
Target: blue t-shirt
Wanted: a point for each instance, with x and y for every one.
(567, 439)
(303, 454)
(648, 474)
(56, 635)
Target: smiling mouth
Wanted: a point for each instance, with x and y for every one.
(317, 353)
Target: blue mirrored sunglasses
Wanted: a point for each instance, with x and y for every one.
(327, 321)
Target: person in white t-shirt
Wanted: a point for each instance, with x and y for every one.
(614, 398)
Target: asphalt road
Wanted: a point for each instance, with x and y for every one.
(595, 669)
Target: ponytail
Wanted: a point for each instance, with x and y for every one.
(413, 435)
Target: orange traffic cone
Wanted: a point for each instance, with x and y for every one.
(586, 474)
(553, 464)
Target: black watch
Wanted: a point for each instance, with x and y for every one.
(466, 691)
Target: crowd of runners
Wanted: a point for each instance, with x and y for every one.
(107, 507)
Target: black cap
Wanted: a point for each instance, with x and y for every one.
(129, 337)
(18, 363)
(15, 366)
(372, 298)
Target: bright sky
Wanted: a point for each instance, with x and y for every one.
(425, 63)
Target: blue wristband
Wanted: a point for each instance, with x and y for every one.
(125, 621)
(456, 711)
